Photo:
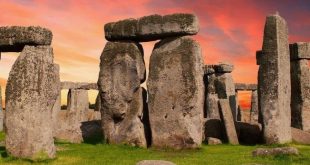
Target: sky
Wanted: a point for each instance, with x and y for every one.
(230, 30)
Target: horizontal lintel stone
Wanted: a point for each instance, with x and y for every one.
(300, 50)
(79, 85)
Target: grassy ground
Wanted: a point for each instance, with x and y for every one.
(104, 154)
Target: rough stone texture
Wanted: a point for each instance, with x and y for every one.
(79, 85)
(245, 87)
(224, 68)
(31, 92)
(121, 71)
(300, 136)
(254, 107)
(225, 88)
(211, 103)
(14, 38)
(1, 112)
(214, 141)
(78, 102)
(300, 96)
(209, 69)
(274, 83)
(154, 162)
(275, 151)
(300, 50)
(176, 93)
(152, 27)
(228, 121)
(57, 105)
(249, 133)
(245, 115)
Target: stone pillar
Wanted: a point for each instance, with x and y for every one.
(300, 84)
(225, 86)
(57, 105)
(211, 103)
(274, 82)
(254, 107)
(31, 92)
(1, 112)
(176, 93)
(122, 70)
(78, 102)
(238, 109)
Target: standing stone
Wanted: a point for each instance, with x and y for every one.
(1, 112)
(78, 102)
(211, 103)
(31, 92)
(121, 71)
(254, 107)
(274, 82)
(57, 106)
(176, 93)
(228, 121)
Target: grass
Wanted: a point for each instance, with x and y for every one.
(104, 154)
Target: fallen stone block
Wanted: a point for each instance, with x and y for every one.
(153, 27)
(275, 151)
(300, 136)
(214, 141)
(154, 162)
(300, 50)
(14, 38)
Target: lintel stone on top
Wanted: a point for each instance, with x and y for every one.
(245, 87)
(14, 38)
(153, 27)
(300, 50)
(79, 85)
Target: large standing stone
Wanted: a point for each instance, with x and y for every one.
(78, 102)
(176, 93)
(274, 82)
(228, 121)
(14, 38)
(152, 27)
(57, 105)
(211, 103)
(300, 81)
(254, 107)
(31, 92)
(121, 71)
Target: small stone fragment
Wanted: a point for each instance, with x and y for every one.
(154, 162)
(275, 151)
(214, 141)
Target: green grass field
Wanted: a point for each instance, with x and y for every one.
(104, 154)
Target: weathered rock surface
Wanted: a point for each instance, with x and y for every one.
(300, 50)
(31, 92)
(121, 71)
(245, 87)
(1, 112)
(155, 162)
(79, 85)
(300, 96)
(176, 93)
(300, 136)
(14, 38)
(254, 107)
(214, 141)
(152, 27)
(228, 121)
(211, 103)
(275, 151)
(78, 102)
(274, 83)
(224, 68)
(57, 105)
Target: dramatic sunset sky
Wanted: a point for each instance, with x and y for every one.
(230, 30)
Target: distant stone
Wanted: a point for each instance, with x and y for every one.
(121, 72)
(32, 89)
(245, 87)
(154, 162)
(153, 27)
(209, 69)
(274, 82)
(79, 85)
(1, 112)
(300, 136)
(78, 102)
(254, 107)
(214, 141)
(300, 50)
(224, 68)
(176, 93)
(275, 151)
(228, 121)
(14, 38)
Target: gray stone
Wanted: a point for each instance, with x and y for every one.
(79, 85)
(1, 112)
(31, 92)
(57, 105)
(176, 93)
(154, 162)
(274, 83)
(121, 72)
(254, 108)
(209, 69)
(214, 141)
(211, 103)
(228, 121)
(78, 102)
(300, 96)
(14, 38)
(300, 50)
(224, 68)
(98, 103)
(153, 27)
(275, 151)
(245, 87)
(225, 88)
(300, 136)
